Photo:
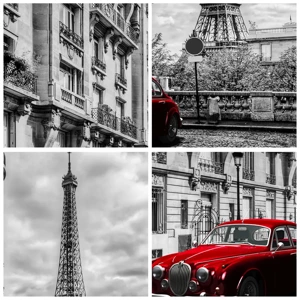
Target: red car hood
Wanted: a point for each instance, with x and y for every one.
(206, 253)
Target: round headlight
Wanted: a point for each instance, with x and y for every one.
(158, 272)
(202, 274)
(164, 284)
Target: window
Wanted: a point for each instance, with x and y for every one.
(8, 130)
(8, 44)
(61, 139)
(68, 17)
(248, 166)
(270, 168)
(158, 217)
(231, 211)
(120, 65)
(97, 97)
(247, 206)
(120, 109)
(156, 90)
(96, 49)
(184, 214)
(281, 235)
(71, 79)
(156, 253)
(293, 234)
(266, 52)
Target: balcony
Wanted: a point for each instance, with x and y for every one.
(121, 82)
(211, 166)
(71, 37)
(107, 10)
(72, 98)
(270, 178)
(104, 116)
(98, 67)
(17, 73)
(248, 174)
(15, 6)
(159, 157)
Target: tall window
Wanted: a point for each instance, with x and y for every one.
(120, 65)
(68, 17)
(248, 166)
(8, 44)
(120, 109)
(7, 128)
(266, 52)
(71, 79)
(270, 168)
(158, 219)
(184, 214)
(96, 48)
(247, 207)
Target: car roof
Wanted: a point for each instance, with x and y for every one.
(271, 223)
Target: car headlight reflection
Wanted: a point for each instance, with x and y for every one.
(202, 274)
(158, 272)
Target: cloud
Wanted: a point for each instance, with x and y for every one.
(165, 21)
(111, 200)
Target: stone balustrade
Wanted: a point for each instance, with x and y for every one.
(72, 98)
(246, 106)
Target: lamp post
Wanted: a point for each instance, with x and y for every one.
(238, 156)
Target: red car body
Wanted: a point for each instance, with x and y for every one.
(165, 115)
(265, 264)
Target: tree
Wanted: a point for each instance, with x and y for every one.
(162, 60)
(284, 74)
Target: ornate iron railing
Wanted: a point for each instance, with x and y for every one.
(248, 174)
(121, 79)
(109, 11)
(15, 6)
(126, 126)
(104, 117)
(98, 63)
(16, 73)
(271, 179)
(159, 157)
(211, 166)
(70, 34)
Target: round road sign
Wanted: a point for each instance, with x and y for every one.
(194, 46)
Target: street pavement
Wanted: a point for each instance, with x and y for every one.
(231, 138)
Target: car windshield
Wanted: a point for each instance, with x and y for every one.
(239, 234)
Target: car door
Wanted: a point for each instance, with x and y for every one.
(159, 109)
(284, 263)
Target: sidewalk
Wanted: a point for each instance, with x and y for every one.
(241, 125)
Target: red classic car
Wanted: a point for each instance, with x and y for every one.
(253, 257)
(165, 115)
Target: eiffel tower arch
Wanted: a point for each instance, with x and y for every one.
(221, 26)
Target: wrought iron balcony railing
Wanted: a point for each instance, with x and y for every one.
(98, 63)
(159, 157)
(71, 35)
(109, 11)
(15, 6)
(17, 73)
(121, 80)
(108, 119)
(211, 166)
(248, 174)
(271, 179)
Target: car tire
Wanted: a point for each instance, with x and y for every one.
(249, 287)
(171, 131)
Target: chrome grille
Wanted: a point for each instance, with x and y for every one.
(179, 278)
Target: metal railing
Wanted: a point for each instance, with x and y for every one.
(126, 127)
(109, 11)
(121, 80)
(15, 6)
(16, 73)
(248, 174)
(270, 178)
(98, 63)
(71, 35)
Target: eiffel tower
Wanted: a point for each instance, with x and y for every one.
(70, 279)
(221, 26)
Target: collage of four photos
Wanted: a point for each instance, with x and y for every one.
(216, 81)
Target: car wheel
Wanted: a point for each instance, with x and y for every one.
(171, 131)
(249, 287)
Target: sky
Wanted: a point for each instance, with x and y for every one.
(112, 208)
(176, 21)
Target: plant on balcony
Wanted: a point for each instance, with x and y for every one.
(19, 72)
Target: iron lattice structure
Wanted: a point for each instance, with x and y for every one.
(221, 25)
(70, 279)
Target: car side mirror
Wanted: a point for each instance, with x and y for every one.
(194, 244)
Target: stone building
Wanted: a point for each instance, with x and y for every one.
(74, 75)
(270, 43)
(192, 192)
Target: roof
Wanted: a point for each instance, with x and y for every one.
(263, 222)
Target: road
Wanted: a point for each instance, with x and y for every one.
(231, 138)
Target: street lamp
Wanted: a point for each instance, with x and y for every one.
(237, 156)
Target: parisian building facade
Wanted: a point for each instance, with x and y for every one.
(194, 191)
(75, 75)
